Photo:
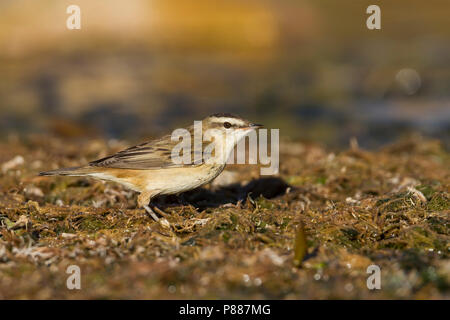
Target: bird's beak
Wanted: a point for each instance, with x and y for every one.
(252, 126)
(255, 126)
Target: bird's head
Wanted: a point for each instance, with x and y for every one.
(226, 130)
(229, 124)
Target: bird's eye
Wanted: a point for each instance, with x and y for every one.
(226, 125)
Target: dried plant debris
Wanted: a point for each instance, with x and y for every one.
(238, 238)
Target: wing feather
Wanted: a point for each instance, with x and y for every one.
(154, 154)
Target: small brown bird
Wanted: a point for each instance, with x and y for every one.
(152, 168)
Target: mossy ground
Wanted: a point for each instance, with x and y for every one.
(235, 238)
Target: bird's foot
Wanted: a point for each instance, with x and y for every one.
(162, 221)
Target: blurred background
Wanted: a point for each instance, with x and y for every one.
(138, 68)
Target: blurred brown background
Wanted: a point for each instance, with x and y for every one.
(311, 68)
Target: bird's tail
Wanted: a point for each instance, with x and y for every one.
(72, 171)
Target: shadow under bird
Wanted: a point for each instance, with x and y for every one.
(149, 169)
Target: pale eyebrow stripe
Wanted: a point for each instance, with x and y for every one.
(230, 120)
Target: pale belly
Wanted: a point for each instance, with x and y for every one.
(165, 181)
(179, 180)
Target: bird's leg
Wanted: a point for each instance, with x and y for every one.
(163, 221)
(151, 208)
(151, 213)
(158, 210)
(144, 201)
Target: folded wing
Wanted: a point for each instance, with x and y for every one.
(149, 155)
